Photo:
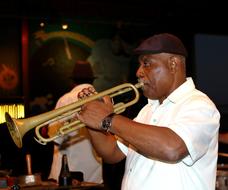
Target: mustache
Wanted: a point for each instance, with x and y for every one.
(141, 82)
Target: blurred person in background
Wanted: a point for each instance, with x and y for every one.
(76, 145)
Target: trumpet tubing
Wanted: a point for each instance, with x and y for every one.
(18, 127)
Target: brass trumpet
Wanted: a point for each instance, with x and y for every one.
(19, 127)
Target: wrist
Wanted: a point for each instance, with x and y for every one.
(106, 123)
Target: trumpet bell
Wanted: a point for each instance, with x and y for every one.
(14, 130)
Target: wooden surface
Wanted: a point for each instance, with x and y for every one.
(62, 188)
(83, 186)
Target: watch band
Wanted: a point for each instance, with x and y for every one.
(106, 123)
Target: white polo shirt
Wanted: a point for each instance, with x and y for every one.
(194, 117)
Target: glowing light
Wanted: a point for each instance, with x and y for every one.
(64, 26)
(42, 24)
(15, 111)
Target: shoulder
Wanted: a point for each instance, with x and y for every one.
(66, 99)
(75, 94)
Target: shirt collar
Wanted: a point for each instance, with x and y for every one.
(182, 90)
(177, 94)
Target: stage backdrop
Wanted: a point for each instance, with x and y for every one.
(10, 65)
(211, 65)
(53, 53)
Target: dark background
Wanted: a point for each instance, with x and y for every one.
(190, 20)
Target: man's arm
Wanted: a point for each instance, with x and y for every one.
(158, 142)
(106, 146)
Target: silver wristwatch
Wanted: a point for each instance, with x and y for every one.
(106, 123)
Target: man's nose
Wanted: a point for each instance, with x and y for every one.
(140, 72)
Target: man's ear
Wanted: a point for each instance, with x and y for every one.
(173, 63)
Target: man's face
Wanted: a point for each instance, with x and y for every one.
(154, 71)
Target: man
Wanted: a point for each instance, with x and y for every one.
(173, 142)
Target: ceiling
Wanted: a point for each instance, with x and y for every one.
(194, 15)
(130, 9)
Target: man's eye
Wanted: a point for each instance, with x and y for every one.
(147, 63)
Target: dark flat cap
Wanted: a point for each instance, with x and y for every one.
(162, 43)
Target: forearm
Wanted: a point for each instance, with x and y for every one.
(149, 140)
(106, 146)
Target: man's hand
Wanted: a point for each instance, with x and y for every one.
(92, 113)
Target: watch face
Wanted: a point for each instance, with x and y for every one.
(107, 122)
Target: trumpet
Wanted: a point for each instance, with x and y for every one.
(19, 127)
